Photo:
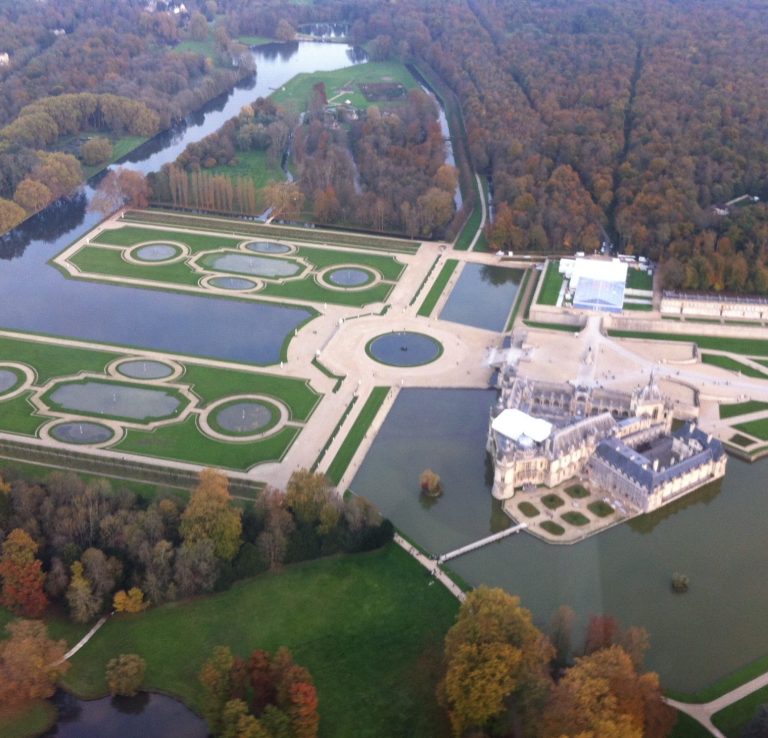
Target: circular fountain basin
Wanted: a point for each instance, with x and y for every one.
(245, 416)
(268, 247)
(140, 369)
(257, 266)
(405, 348)
(349, 277)
(156, 252)
(8, 379)
(81, 433)
(232, 283)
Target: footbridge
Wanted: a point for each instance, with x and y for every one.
(482, 542)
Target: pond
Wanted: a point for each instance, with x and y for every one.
(143, 716)
(268, 247)
(349, 277)
(81, 433)
(156, 252)
(244, 417)
(483, 296)
(258, 266)
(114, 400)
(715, 536)
(142, 369)
(404, 348)
(8, 378)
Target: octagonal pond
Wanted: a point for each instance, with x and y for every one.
(268, 247)
(156, 252)
(258, 266)
(81, 432)
(245, 416)
(348, 277)
(129, 402)
(404, 348)
(8, 379)
(141, 369)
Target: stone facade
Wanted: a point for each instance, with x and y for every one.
(713, 306)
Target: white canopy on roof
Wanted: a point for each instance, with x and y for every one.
(515, 424)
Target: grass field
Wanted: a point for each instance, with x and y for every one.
(250, 230)
(639, 279)
(30, 719)
(553, 326)
(343, 84)
(726, 362)
(368, 627)
(426, 308)
(742, 408)
(575, 518)
(356, 433)
(734, 718)
(102, 261)
(553, 528)
(121, 145)
(553, 281)
(600, 508)
(518, 300)
(757, 428)
(252, 165)
(687, 727)
(741, 346)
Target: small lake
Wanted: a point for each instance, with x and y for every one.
(257, 266)
(483, 296)
(715, 536)
(115, 400)
(143, 716)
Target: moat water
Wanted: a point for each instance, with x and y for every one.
(716, 536)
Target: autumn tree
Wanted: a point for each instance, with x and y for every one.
(30, 662)
(22, 576)
(84, 603)
(11, 214)
(284, 31)
(211, 516)
(96, 151)
(215, 678)
(492, 652)
(121, 188)
(130, 601)
(125, 673)
(602, 632)
(32, 195)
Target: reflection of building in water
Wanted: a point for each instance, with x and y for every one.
(544, 433)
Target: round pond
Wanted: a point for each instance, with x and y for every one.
(81, 433)
(245, 416)
(232, 283)
(405, 348)
(156, 252)
(8, 379)
(258, 266)
(349, 277)
(92, 397)
(140, 369)
(268, 247)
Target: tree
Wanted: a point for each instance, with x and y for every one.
(430, 483)
(11, 214)
(215, 677)
(32, 195)
(22, 576)
(30, 662)
(84, 604)
(121, 188)
(560, 633)
(96, 151)
(602, 631)
(125, 674)
(284, 31)
(211, 516)
(196, 568)
(285, 198)
(303, 710)
(198, 26)
(130, 601)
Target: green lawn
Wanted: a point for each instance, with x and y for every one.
(121, 145)
(252, 165)
(30, 719)
(734, 718)
(130, 235)
(368, 627)
(742, 408)
(740, 440)
(726, 362)
(639, 279)
(554, 326)
(356, 433)
(756, 428)
(687, 727)
(18, 415)
(742, 346)
(553, 528)
(251, 230)
(437, 288)
(518, 300)
(529, 510)
(575, 518)
(724, 685)
(577, 491)
(343, 84)
(646, 306)
(553, 281)
(255, 40)
(552, 501)
(600, 508)
(470, 228)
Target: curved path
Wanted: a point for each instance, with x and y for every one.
(483, 209)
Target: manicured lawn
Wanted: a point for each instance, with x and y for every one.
(185, 442)
(553, 528)
(575, 518)
(368, 627)
(250, 230)
(647, 306)
(639, 279)
(518, 300)
(553, 281)
(757, 428)
(687, 727)
(424, 281)
(251, 165)
(18, 415)
(600, 508)
(724, 685)
(437, 288)
(130, 235)
(30, 719)
(552, 502)
(343, 84)
(577, 491)
(726, 362)
(554, 326)
(742, 408)
(740, 440)
(742, 346)
(528, 509)
(469, 229)
(356, 433)
(734, 718)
